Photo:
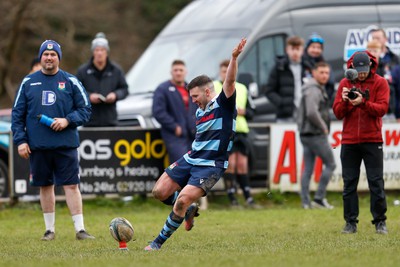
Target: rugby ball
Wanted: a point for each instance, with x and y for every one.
(121, 229)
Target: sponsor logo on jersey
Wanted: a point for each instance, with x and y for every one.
(206, 118)
(48, 98)
(37, 83)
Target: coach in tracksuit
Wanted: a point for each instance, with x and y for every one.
(174, 110)
(52, 149)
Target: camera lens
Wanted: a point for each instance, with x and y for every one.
(351, 95)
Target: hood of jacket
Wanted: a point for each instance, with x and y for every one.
(310, 84)
(374, 65)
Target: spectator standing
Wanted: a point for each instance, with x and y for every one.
(35, 65)
(105, 83)
(285, 80)
(195, 173)
(313, 124)
(396, 86)
(175, 111)
(375, 48)
(237, 170)
(313, 53)
(387, 56)
(52, 149)
(384, 70)
(362, 139)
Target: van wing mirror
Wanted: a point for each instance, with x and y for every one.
(247, 79)
(253, 90)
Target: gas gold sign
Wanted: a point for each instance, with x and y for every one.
(139, 149)
(124, 149)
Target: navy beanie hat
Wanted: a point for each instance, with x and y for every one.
(50, 45)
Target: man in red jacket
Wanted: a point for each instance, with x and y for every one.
(362, 113)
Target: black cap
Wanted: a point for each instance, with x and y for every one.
(361, 62)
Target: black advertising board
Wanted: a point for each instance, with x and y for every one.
(112, 160)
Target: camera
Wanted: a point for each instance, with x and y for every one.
(352, 75)
(352, 95)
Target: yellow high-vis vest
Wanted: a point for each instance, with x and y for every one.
(241, 101)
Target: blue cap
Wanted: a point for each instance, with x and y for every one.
(315, 38)
(50, 45)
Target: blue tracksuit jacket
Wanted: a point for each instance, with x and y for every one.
(60, 95)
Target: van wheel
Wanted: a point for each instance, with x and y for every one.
(3, 179)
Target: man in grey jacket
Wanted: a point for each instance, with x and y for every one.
(313, 123)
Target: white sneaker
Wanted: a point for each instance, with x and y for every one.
(321, 204)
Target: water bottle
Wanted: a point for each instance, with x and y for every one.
(43, 119)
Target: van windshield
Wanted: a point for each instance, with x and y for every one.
(201, 51)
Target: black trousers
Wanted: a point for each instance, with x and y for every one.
(351, 157)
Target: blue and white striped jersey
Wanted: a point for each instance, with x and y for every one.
(215, 129)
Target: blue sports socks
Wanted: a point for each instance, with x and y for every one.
(171, 224)
(170, 201)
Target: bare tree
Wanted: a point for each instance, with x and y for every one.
(8, 52)
(130, 25)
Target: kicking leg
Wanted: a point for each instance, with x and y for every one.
(187, 196)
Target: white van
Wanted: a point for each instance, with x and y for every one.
(205, 31)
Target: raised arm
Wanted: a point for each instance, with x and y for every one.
(229, 83)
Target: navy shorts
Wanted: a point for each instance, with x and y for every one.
(49, 167)
(184, 173)
(241, 144)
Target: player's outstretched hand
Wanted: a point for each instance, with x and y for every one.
(239, 48)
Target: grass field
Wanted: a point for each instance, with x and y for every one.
(282, 234)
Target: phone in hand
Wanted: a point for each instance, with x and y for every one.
(102, 98)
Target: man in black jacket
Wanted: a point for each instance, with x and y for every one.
(313, 53)
(105, 83)
(285, 80)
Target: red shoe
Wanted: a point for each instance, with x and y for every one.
(191, 212)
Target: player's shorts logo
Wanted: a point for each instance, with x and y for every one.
(48, 98)
(173, 165)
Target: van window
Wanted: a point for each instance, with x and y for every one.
(261, 58)
(201, 51)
